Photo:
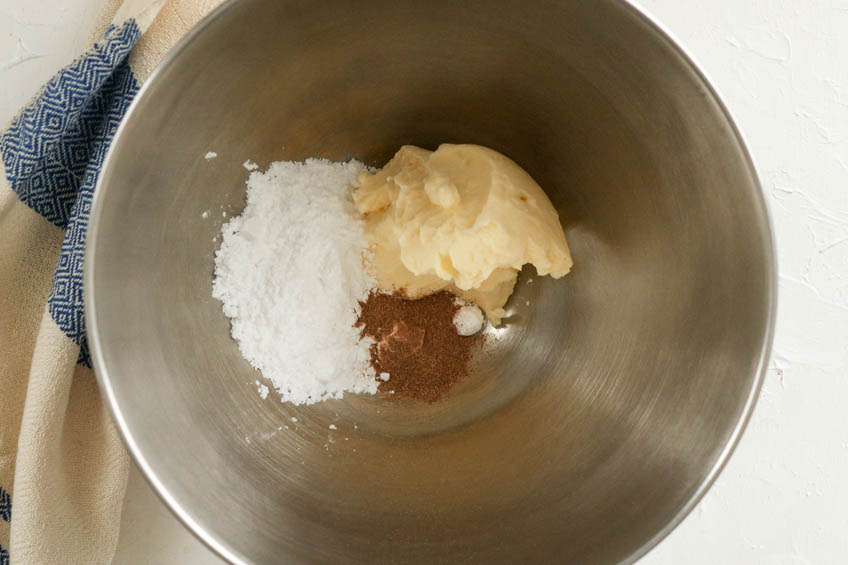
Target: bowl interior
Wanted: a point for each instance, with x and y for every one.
(596, 416)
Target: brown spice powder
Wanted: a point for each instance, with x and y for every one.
(416, 343)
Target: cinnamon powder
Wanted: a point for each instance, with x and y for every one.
(416, 343)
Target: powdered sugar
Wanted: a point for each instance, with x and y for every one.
(290, 275)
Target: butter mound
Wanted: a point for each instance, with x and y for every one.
(463, 218)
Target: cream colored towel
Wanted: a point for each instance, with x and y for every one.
(63, 469)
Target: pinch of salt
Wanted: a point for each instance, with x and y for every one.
(210, 155)
(468, 320)
(332, 427)
(205, 214)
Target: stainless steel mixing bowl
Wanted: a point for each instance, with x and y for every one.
(599, 413)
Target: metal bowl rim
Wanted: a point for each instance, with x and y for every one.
(227, 553)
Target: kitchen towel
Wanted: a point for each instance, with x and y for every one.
(63, 469)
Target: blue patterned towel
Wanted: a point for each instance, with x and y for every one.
(53, 151)
(63, 469)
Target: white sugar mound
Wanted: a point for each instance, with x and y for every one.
(290, 275)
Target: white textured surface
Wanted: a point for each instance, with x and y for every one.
(37, 37)
(782, 67)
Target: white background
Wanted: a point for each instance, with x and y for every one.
(782, 68)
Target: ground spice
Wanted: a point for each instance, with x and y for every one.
(416, 343)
